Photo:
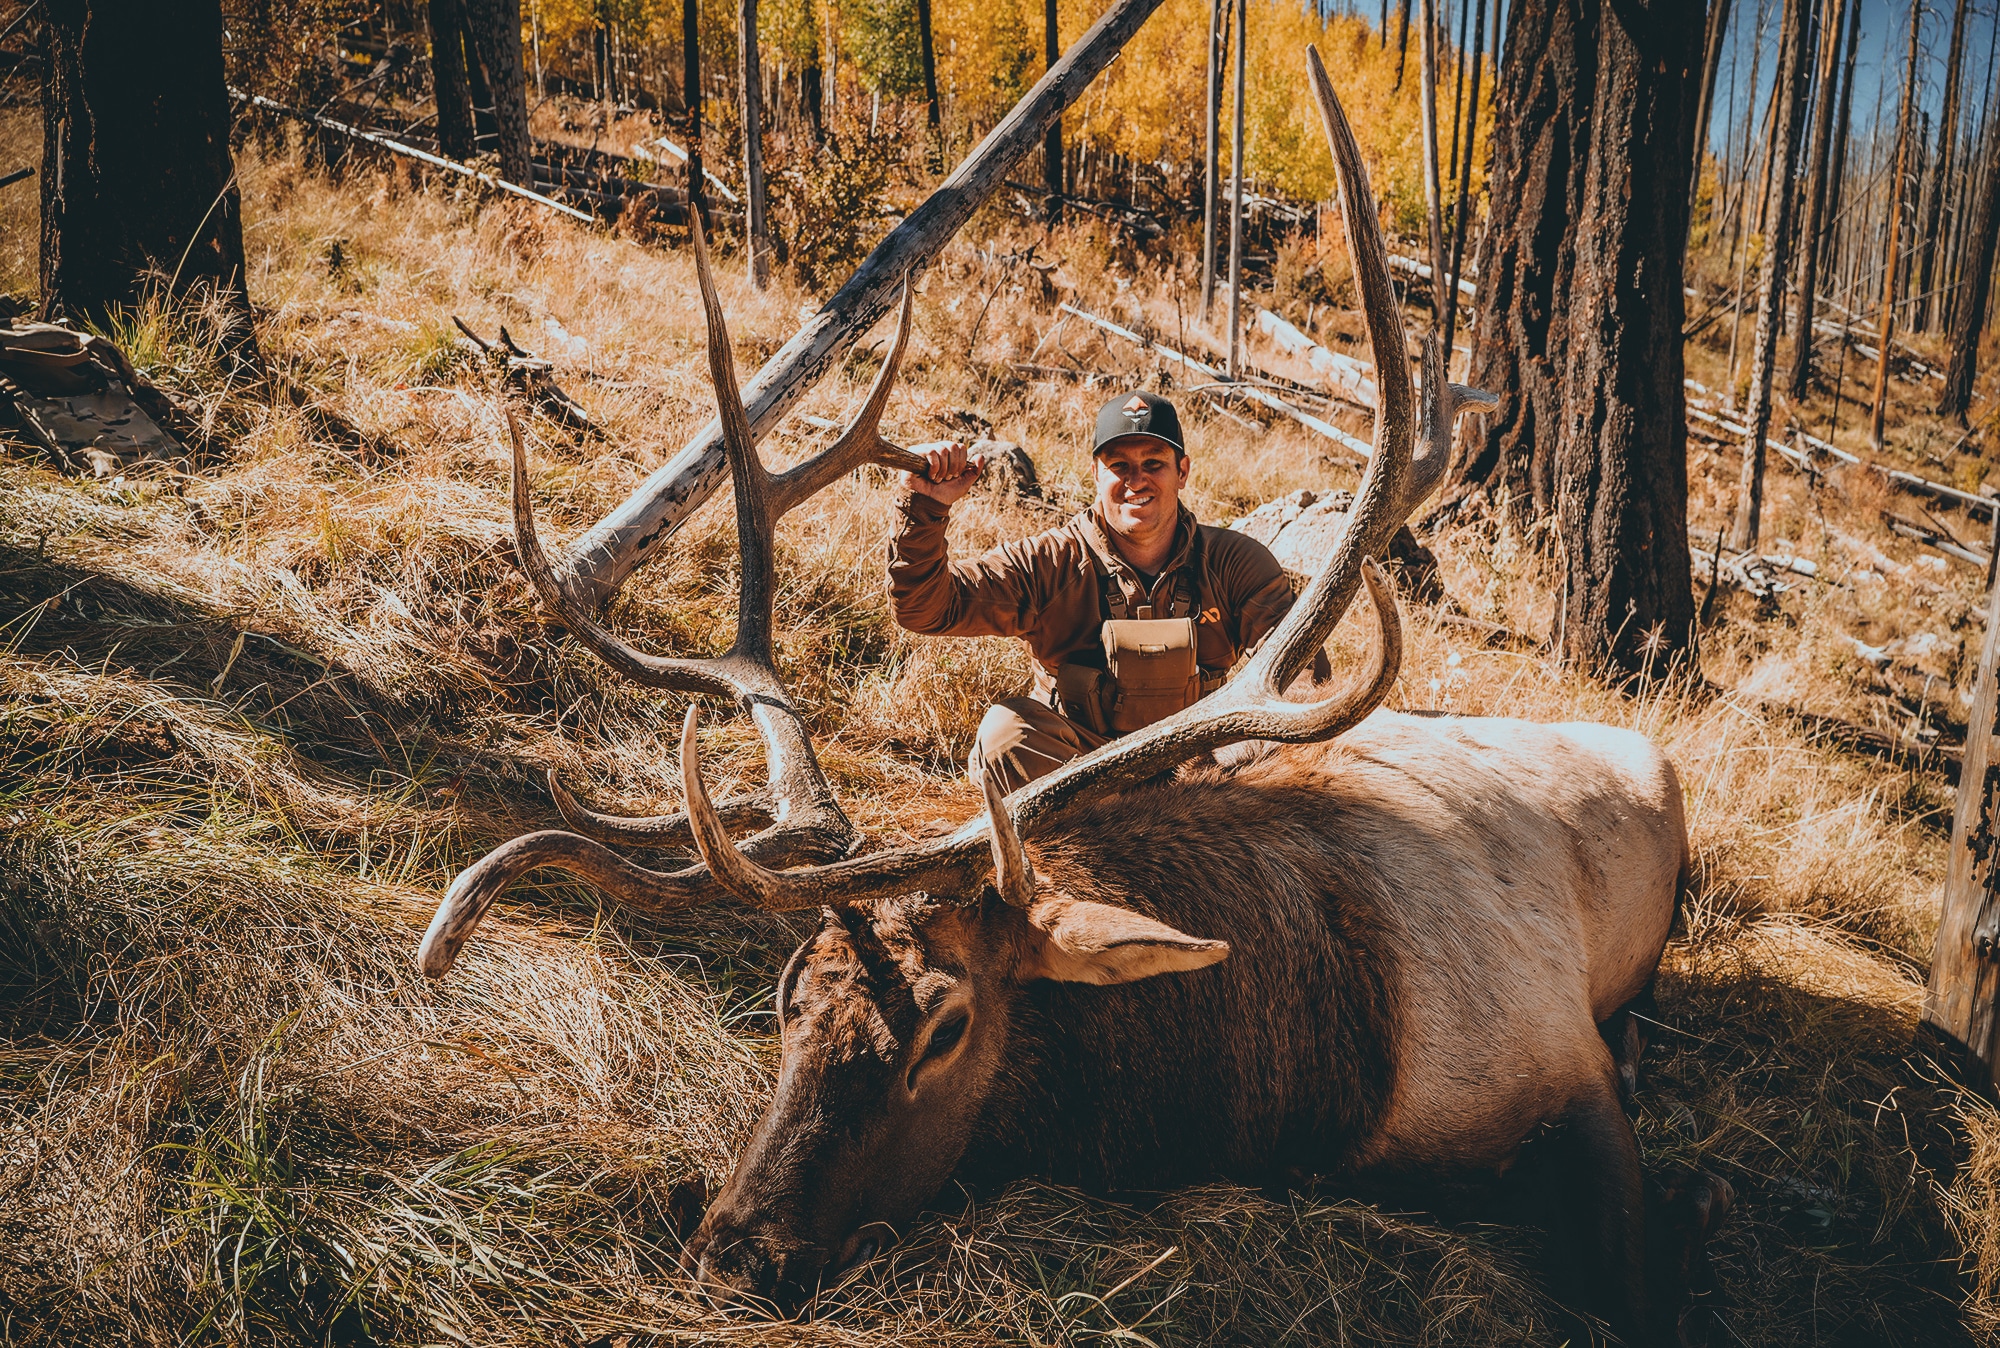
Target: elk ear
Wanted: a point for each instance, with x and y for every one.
(1071, 941)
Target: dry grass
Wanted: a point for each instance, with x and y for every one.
(253, 719)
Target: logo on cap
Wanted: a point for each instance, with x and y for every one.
(1135, 408)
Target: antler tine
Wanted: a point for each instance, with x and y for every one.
(861, 442)
(756, 810)
(473, 892)
(692, 676)
(755, 520)
(952, 863)
(1013, 873)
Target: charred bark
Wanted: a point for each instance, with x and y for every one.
(1891, 272)
(697, 186)
(750, 89)
(1969, 314)
(1052, 151)
(1941, 179)
(1799, 377)
(1793, 72)
(1628, 603)
(138, 188)
(933, 113)
(495, 26)
(1526, 257)
(449, 89)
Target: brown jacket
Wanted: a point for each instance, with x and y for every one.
(1051, 591)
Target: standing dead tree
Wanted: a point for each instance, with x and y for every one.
(1942, 179)
(138, 186)
(1891, 272)
(1628, 598)
(1969, 312)
(1800, 375)
(449, 87)
(750, 90)
(1525, 259)
(495, 26)
(1794, 70)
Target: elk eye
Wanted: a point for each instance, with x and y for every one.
(945, 1037)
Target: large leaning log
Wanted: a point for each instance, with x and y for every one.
(596, 563)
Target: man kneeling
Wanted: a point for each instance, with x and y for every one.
(1132, 610)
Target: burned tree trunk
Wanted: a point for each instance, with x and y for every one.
(1526, 257)
(1052, 151)
(1969, 313)
(495, 26)
(1891, 273)
(697, 187)
(1793, 70)
(448, 79)
(756, 241)
(1941, 179)
(1621, 471)
(1799, 377)
(933, 114)
(138, 188)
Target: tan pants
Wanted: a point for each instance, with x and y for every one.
(1022, 739)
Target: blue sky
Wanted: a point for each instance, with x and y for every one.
(1878, 70)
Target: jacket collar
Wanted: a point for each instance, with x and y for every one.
(1097, 537)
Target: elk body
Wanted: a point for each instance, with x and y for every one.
(1425, 924)
(1262, 938)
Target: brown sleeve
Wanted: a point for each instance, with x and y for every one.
(1269, 599)
(993, 595)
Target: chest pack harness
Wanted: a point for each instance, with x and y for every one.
(1151, 668)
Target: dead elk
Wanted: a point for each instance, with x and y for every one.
(1394, 938)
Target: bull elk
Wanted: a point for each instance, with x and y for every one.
(1407, 930)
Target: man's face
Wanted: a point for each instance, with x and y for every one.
(1139, 481)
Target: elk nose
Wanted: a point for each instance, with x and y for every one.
(758, 1266)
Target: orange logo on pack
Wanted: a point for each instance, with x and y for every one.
(1211, 615)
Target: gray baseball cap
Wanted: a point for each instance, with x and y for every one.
(1146, 414)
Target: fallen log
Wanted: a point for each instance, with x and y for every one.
(1971, 502)
(598, 561)
(1349, 379)
(1354, 445)
(397, 147)
(1936, 539)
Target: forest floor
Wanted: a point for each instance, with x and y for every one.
(255, 716)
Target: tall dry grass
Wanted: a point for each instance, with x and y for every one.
(256, 715)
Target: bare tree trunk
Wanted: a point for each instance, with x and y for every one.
(1718, 28)
(1836, 174)
(934, 114)
(1963, 236)
(1970, 317)
(1526, 256)
(1052, 153)
(1402, 41)
(1628, 602)
(448, 84)
(1793, 72)
(750, 88)
(1212, 158)
(138, 187)
(1442, 291)
(697, 186)
(1799, 380)
(1236, 194)
(1890, 271)
(1941, 180)
(495, 26)
(1462, 216)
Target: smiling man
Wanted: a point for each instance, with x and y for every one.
(1131, 610)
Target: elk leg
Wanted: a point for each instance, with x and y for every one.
(1600, 1212)
(1625, 1035)
(1679, 1223)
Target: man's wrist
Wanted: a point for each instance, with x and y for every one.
(918, 505)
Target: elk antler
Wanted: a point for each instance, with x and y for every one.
(804, 821)
(1251, 706)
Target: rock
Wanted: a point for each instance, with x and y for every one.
(1302, 528)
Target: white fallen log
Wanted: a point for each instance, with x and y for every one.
(412, 152)
(1409, 266)
(1354, 445)
(1348, 378)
